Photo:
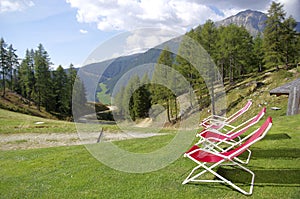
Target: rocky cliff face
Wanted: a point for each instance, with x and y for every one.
(253, 21)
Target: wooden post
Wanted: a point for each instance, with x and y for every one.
(100, 135)
(294, 100)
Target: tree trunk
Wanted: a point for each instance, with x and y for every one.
(230, 71)
(168, 111)
(176, 113)
(213, 96)
(3, 83)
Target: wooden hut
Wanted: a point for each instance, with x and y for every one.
(292, 89)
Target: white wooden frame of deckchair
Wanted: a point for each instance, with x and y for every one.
(213, 140)
(217, 122)
(231, 157)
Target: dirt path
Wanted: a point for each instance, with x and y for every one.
(45, 140)
(145, 123)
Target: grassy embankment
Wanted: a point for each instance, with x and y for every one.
(68, 172)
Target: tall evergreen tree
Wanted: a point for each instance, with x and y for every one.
(289, 41)
(42, 76)
(127, 102)
(258, 52)
(236, 47)
(3, 63)
(61, 95)
(118, 102)
(71, 77)
(79, 99)
(12, 62)
(208, 40)
(273, 35)
(161, 78)
(26, 75)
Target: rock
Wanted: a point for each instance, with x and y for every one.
(275, 108)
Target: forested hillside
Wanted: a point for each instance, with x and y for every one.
(37, 84)
(234, 51)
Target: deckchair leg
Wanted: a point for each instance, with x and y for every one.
(222, 179)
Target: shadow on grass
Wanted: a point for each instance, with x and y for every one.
(280, 136)
(263, 176)
(276, 153)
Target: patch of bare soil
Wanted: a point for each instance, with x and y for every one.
(45, 140)
(145, 123)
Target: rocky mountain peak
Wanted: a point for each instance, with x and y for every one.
(253, 21)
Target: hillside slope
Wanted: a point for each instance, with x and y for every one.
(257, 86)
(15, 102)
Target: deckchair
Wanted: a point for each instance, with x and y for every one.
(217, 122)
(209, 160)
(211, 139)
(213, 135)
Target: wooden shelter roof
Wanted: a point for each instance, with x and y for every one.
(286, 88)
(293, 90)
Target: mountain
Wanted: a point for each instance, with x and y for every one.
(112, 70)
(253, 21)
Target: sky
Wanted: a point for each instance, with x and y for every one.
(71, 30)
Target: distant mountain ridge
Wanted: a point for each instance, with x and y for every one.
(252, 20)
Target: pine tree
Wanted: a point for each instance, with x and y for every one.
(141, 102)
(71, 77)
(237, 47)
(208, 36)
(127, 102)
(161, 78)
(183, 64)
(118, 102)
(26, 75)
(145, 96)
(79, 99)
(3, 63)
(273, 35)
(289, 41)
(258, 52)
(60, 86)
(12, 62)
(42, 76)
(134, 97)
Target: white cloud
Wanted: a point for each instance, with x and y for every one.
(131, 14)
(292, 7)
(176, 15)
(169, 15)
(142, 39)
(83, 31)
(14, 5)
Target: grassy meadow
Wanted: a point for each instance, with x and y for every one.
(72, 172)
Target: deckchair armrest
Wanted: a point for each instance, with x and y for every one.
(213, 131)
(213, 118)
(215, 142)
(207, 151)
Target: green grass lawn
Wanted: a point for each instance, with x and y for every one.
(71, 172)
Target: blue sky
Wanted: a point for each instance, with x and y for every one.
(70, 30)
